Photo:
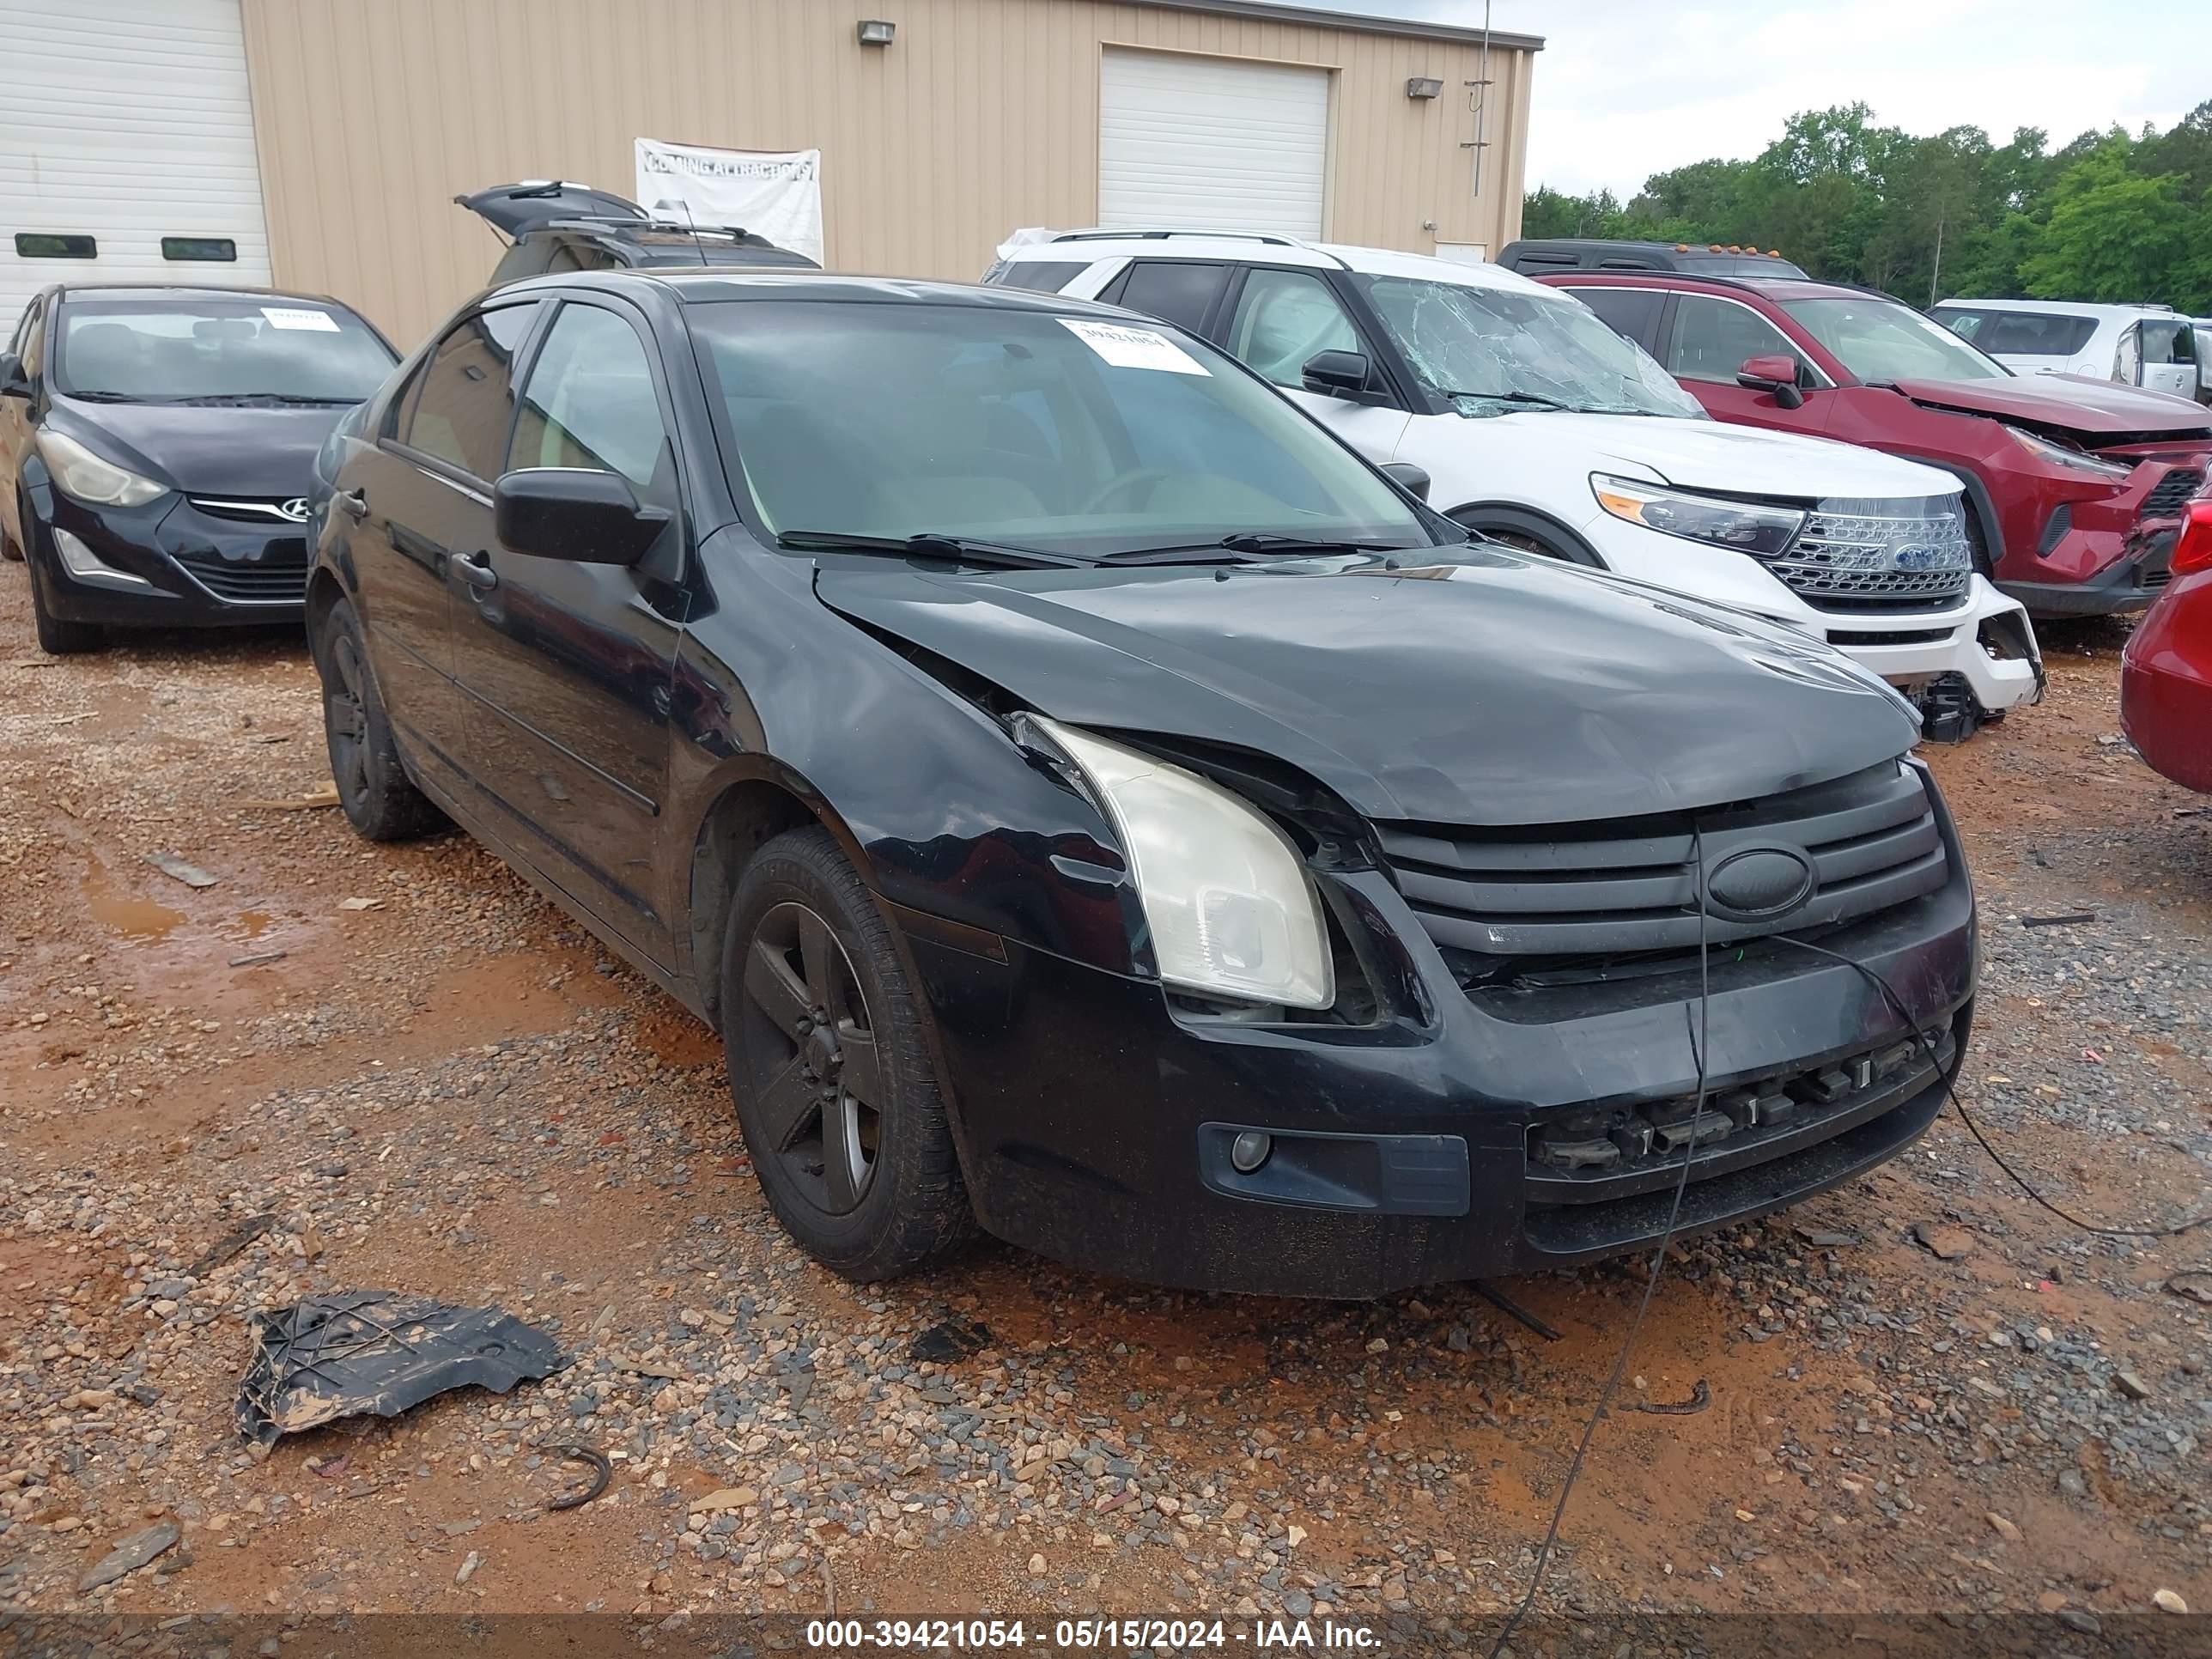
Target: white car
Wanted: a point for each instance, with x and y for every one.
(2148, 346)
(1539, 426)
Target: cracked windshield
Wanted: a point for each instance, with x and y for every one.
(1493, 351)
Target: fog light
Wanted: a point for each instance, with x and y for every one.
(1249, 1151)
(81, 560)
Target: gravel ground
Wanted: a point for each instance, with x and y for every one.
(399, 1068)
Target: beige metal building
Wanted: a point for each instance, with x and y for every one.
(324, 140)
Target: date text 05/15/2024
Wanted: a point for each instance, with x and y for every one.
(1086, 1635)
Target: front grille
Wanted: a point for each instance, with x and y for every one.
(1884, 554)
(253, 509)
(278, 577)
(1629, 887)
(2171, 493)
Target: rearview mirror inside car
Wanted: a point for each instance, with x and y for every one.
(1335, 373)
(13, 383)
(1777, 375)
(577, 513)
(1414, 480)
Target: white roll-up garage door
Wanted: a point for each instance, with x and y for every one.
(1211, 141)
(124, 123)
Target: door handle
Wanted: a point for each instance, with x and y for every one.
(354, 501)
(475, 569)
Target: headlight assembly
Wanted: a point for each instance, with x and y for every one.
(1742, 526)
(85, 476)
(1231, 909)
(2073, 460)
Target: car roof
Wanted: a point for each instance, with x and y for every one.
(68, 291)
(2063, 308)
(1771, 288)
(708, 285)
(1263, 249)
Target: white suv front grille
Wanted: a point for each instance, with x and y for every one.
(1880, 555)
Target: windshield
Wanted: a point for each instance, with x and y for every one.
(1880, 340)
(162, 351)
(1491, 350)
(1069, 435)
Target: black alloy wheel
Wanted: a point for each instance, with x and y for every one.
(377, 796)
(818, 1093)
(831, 1073)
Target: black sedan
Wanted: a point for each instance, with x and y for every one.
(1093, 802)
(156, 447)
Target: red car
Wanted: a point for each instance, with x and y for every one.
(2076, 486)
(2165, 676)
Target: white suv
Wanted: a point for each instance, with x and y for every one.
(1540, 426)
(2147, 346)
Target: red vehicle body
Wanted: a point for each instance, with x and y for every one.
(2075, 491)
(2165, 676)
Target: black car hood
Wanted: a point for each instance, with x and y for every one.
(206, 449)
(1486, 688)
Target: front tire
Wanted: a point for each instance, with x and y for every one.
(56, 637)
(377, 796)
(831, 1079)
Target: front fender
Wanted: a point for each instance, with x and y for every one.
(938, 809)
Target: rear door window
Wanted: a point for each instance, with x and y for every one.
(1632, 313)
(465, 394)
(1041, 276)
(1174, 290)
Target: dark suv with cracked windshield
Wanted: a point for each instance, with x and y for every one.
(1093, 803)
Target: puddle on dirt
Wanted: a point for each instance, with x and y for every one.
(252, 923)
(130, 914)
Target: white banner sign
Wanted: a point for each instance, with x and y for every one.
(777, 195)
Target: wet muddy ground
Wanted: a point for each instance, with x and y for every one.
(429, 1080)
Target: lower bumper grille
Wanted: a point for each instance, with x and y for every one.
(278, 577)
(1595, 1154)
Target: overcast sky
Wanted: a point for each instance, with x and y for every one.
(1628, 88)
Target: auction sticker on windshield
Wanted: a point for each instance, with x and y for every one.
(299, 317)
(1133, 348)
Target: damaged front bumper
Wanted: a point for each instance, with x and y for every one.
(1961, 665)
(1457, 1130)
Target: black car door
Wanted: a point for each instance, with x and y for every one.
(16, 415)
(566, 666)
(422, 495)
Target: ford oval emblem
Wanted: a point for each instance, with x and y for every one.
(1918, 558)
(1759, 884)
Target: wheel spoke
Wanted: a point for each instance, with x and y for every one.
(818, 952)
(785, 1105)
(844, 1161)
(356, 768)
(863, 1071)
(774, 987)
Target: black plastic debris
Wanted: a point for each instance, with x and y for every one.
(376, 1353)
(956, 1338)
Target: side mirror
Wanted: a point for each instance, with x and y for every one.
(1335, 374)
(13, 383)
(1777, 375)
(1414, 480)
(576, 513)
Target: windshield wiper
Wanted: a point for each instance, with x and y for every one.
(1537, 398)
(1250, 546)
(929, 544)
(109, 397)
(295, 397)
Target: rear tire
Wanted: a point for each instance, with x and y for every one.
(374, 792)
(832, 1081)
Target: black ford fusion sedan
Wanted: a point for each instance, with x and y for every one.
(157, 449)
(1092, 802)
